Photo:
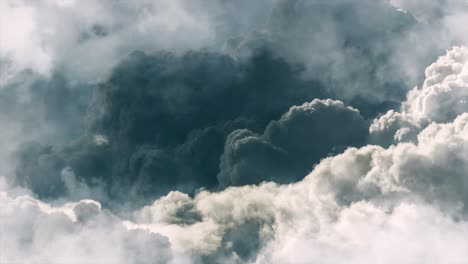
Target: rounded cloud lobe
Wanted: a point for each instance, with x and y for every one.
(443, 95)
(33, 231)
(441, 99)
(290, 146)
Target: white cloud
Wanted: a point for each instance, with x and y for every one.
(19, 41)
(444, 94)
(442, 97)
(364, 233)
(82, 232)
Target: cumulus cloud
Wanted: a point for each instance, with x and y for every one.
(368, 234)
(290, 146)
(102, 34)
(214, 142)
(374, 193)
(433, 168)
(444, 92)
(442, 97)
(160, 122)
(394, 127)
(80, 232)
(365, 205)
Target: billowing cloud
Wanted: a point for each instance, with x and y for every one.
(280, 131)
(33, 231)
(444, 92)
(290, 146)
(395, 127)
(160, 122)
(79, 43)
(442, 97)
(325, 36)
(362, 206)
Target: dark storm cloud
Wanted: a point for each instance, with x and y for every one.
(200, 89)
(160, 121)
(290, 147)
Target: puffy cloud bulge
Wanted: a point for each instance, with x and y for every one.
(235, 133)
(33, 231)
(283, 152)
(441, 98)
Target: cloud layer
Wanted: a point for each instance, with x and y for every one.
(33, 231)
(280, 131)
(364, 205)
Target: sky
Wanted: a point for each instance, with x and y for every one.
(216, 131)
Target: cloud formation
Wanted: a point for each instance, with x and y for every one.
(394, 198)
(362, 206)
(280, 131)
(374, 193)
(290, 146)
(441, 98)
(34, 231)
(160, 122)
(324, 216)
